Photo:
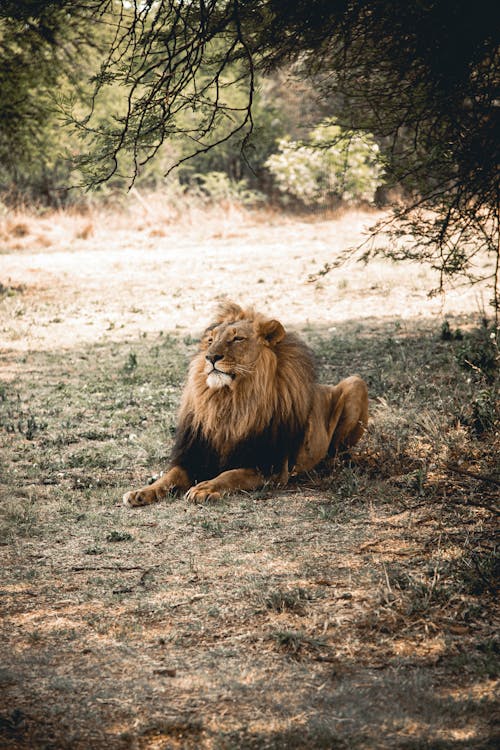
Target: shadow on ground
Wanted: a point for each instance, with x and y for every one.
(349, 611)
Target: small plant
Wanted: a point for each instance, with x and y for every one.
(490, 652)
(418, 593)
(287, 601)
(290, 641)
(119, 536)
(131, 363)
(19, 518)
(213, 528)
(11, 290)
(25, 424)
(485, 411)
(330, 512)
(447, 334)
(296, 643)
(479, 353)
(481, 572)
(32, 427)
(347, 483)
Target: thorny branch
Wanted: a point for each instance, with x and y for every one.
(427, 92)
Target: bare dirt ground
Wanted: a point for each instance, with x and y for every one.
(353, 611)
(109, 278)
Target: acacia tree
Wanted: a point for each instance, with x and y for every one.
(422, 76)
(43, 50)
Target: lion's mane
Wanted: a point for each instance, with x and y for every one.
(260, 422)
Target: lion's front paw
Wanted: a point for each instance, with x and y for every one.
(202, 491)
(144, 496)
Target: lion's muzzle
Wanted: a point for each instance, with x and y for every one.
(218, 379)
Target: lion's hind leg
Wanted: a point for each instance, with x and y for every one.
(349, 414)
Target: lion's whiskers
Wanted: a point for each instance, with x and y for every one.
(243, 369)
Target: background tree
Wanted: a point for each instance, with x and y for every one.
(47, 55)
(422, 77)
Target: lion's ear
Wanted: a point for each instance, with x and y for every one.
(227, 310)
(271, 330)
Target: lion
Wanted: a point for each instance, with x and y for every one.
(252, 412)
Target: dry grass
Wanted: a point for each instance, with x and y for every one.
(348, 611)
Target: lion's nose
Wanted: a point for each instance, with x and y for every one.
(213, 358)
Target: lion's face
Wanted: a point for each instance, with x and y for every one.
(232, 349)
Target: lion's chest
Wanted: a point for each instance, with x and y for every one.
(228, 429)
(266, 449)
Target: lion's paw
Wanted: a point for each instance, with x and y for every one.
(201, 492)
(138, 498)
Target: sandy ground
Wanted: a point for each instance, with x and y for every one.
(129, 277)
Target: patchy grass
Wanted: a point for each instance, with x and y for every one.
(349, 611)
(353, 610)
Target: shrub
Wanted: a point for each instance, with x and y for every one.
(218, 187)
(335, 163)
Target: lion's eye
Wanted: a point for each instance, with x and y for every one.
(210, 340)
(238, 338)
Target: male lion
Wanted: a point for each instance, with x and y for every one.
(252, 411)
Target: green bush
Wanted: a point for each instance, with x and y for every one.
(334, 163)
(218, 187)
